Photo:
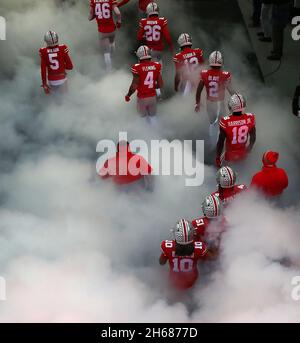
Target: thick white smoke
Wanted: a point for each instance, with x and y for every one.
(75, 248)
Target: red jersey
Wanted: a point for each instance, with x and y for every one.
(215, 82)
(237, 129)
(200, 225)
(272, 181)
(152, 31)
(142, 4)
(125, 167)
(183, 269)
(226, 195)
(148, 72)
(54, 63)
(187, 63)
(103, 11)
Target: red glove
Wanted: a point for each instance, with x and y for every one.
(197, 107)
(46, 89)
(218, 162)
(127, 98)
(118, 24)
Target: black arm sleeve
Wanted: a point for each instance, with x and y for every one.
(296, 106)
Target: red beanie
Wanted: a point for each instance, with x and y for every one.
(270, 158)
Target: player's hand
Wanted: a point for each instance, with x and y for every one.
(218, 162)
(127, 98)
(197, 108)
(46, 89)
(119, 24)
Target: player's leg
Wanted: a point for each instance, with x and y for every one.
(212, 112)
(112, 41)
(105, 47)
(152, 110)
(142, 107)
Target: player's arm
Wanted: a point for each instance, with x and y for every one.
(177, 80)
(230, 88)
(44, 75)
(68, 61)
(118, 15)
(296, 107)
(92, 14)
(160, 82)
(163, 259)
(198, 95)
(123, 2)
(220, 146)
(166, 34)
(133, 87)
(141, 32)
(252, 134)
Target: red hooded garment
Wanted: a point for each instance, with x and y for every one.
(272, 181)
(125, 167)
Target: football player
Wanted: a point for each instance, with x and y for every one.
(55, 61)
(227, 189)
(183, 254)
(146, 79)
(142, 5)
(103, 11)
(238, 130)
(187, 64)
(210, 227)
(216, 81)
(153, 30)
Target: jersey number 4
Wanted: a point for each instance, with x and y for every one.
(240, 134)
(149, 80)
(103, 10)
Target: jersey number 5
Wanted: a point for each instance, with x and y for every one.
(102, 11)
(54, 64)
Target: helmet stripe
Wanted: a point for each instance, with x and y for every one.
(230, 176)
(184, 231)
(215, 206)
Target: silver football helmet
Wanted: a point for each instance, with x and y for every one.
(226, 177)
(51, 38)
(143, 52)
(152, 8)
(211, 206)
(215, 59)
(237, 103)
(183, 232)
(184, 40)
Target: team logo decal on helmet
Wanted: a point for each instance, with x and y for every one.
(215, 59)
(226, 177)
(211, 206)
(51, 38)
(183, 232)
(143, 52)
(237, 103)
(152, 8)
(184, 40)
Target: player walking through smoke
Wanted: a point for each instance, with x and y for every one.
(187, 64)
(153, 30)
(146, 79)
(55, 60)
(238, 130)
(216, 81)
(103, 11)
